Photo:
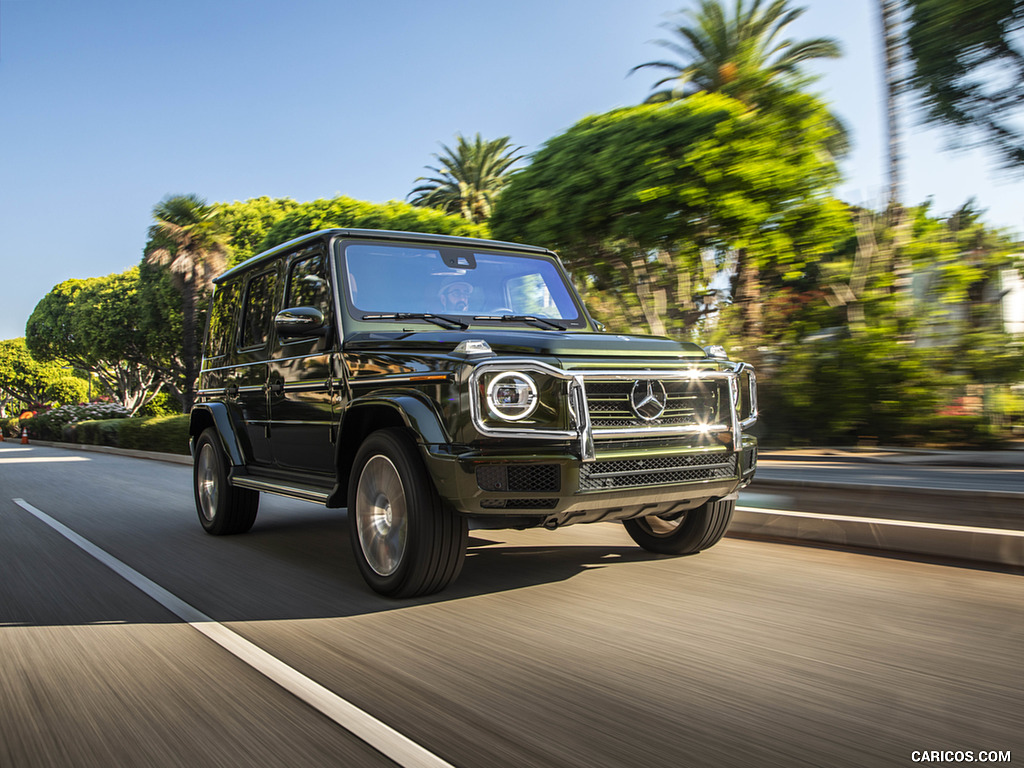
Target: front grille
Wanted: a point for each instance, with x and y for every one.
(688, 403)
(519, 478)
(519, 503)
(663, 470)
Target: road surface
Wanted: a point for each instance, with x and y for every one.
(568, 648)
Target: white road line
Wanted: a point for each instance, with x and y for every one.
(41, 459)
(381, 737)
(885, 521)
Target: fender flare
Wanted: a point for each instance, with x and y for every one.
(220, 416)
(414, 412)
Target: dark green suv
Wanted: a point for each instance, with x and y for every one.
(430, 383)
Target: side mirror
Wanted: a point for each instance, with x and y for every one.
(716, 351)
(300, 322)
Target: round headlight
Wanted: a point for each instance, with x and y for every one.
(512, 396)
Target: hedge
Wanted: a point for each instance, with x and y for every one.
(164, 434)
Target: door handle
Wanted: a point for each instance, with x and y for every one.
(276, 387)
(231, 390)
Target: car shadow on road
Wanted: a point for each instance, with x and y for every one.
(317, 553)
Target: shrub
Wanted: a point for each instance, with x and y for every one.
(166, 434)
(104, 432)
(164, 404)
(50, 425)
(10, 428)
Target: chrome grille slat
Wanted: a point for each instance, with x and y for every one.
(627, 473)
(610, 408)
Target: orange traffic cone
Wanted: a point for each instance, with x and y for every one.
(24, 436)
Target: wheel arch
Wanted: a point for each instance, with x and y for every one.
(365, 416)
(216, 415)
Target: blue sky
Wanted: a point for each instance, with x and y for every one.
(106, 106)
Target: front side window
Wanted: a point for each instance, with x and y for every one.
(383, 279)
(307, 284)
(259, 309)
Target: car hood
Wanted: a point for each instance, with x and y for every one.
(524, 342)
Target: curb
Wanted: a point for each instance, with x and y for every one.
(993, 546)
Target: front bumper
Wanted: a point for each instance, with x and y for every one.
(557, 488)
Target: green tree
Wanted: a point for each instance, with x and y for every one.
(247, 223)
(100, 326)
(971, 82)
(30, 383)
(347, 212)
(638, 200)
(189, 241)
(742, 55)
(469, 178)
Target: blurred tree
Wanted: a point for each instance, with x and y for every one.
(189, 241)
(31, 383)
(347, 212)
(247, 223)
(742, 56)
(469, 178)
(968, 71)
(99, 326)
(639, 200)
(739, 55)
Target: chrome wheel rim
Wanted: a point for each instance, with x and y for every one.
(382, 515)
(206, 482)
(661, 527)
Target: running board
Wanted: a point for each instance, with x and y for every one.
(301, 492)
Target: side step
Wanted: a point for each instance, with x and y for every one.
(279, 488)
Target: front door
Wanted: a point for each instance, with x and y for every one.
(301, 380)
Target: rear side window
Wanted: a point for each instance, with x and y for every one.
(222, 320)
(307, 284)
(258, 310)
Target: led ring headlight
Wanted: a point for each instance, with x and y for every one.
(512, 396)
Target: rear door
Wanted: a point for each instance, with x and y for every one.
(251, 373)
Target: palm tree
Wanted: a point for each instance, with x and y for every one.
(187, 240)
(740, 56)
(469, 179)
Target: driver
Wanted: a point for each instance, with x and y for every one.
(454, 295)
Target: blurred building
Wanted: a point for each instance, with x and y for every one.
(1012, 301)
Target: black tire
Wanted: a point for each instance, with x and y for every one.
(223, 509)
(406, 540)
(695, 530)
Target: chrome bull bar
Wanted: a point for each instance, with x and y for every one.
(583, 431)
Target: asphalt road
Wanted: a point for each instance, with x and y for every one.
(567, 648)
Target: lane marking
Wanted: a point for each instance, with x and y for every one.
(41, 459)
(885, 521)
(378, 735)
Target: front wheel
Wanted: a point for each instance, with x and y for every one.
(406, 540)
(223, 509)
(691, 532)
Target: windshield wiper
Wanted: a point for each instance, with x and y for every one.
(542, 321)
(444, 321)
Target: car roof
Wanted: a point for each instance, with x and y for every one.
(379, 234)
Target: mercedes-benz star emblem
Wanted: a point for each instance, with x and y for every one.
(648, 399)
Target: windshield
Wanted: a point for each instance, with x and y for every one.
(389, 279)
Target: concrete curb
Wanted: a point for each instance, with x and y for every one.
(994, 546)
